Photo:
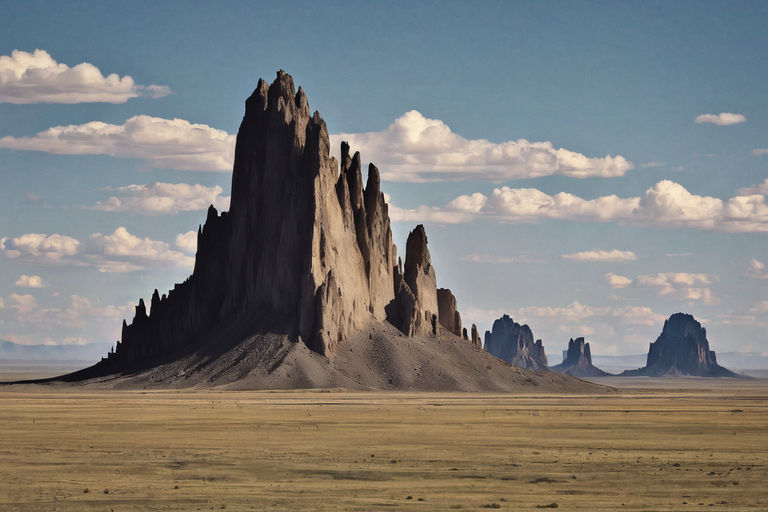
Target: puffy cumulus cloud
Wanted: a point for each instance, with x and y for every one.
(26, 281)
(187, 242)
(756, 268)
(616, 281)
(682, 285)
(576, 313)
(600, 255)
(163, 199)
(22, 303)
(721, 119)
(40, 248)
(487, 258)
(37, 78)
(415, 148)
(666, 204)
(122, 251)
(81, 311)
(164, 143)
(119, 251)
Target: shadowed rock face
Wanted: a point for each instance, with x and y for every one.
(514, 343)
(578, 361)
(305, 247)
(447, 313)
(681, 349)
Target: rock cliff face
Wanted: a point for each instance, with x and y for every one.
(299, 284)
(305, 250)
(514, 343)
(681, 349)
(447, 314)
(578, 361)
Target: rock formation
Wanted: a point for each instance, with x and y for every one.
(514, 343)
(476, 337)
(447, 314)
(681, 349)
(299, 284)
(578, 361)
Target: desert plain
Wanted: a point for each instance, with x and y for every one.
(692, 444)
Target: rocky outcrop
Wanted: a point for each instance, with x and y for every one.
(514, 343)
(681, 349)
(448, 315)
(578, 361)
(306, 249)
(476, 337)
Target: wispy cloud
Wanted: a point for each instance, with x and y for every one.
(689, 287)
(37, 78)
(415, 148)
(721, 119)
(600, 255)
(487, 258)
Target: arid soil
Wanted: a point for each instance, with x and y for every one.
(702, 445)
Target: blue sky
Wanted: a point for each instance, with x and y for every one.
(587, 167)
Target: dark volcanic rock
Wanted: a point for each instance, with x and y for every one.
(578, 361)
(447, 313)
(302, 263)
(514, 343)
(681, 349)
(476, 337)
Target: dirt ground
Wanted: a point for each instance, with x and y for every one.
(693, 444)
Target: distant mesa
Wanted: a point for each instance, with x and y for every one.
(681, 349)
(514, 343)
(577, 361)
(299, 284)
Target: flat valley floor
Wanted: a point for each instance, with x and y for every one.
(689, 444)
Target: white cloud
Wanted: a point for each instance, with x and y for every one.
(756, 268)
(614, 255)
(760, 307)
(164, 143)
(26, 281)
(487, 258)
(37, 78)
(418, 149)
(721, 119)
(117, 252)
(682, 285)
(187, 242)
(23, 303)
(760, 151)
(2, 303)
(617, 281)
(665, 204)
(760, 188)
(40, 248)
(123, 252)
(163, 198)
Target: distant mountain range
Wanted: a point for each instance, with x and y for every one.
(733, 360)
(15, 353)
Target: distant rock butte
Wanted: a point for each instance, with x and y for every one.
(302, 264)
(514, 343)
(578, 361)
(681, 349)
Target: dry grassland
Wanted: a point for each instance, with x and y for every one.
(690, 449)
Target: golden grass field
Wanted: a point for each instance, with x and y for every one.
(699, 445)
